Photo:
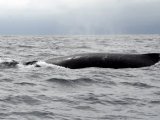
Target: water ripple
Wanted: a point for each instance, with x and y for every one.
(6, 80)
(40, 114)
(26, 115)
(138, 84)
(26, 46)
(26, 83)
(157, 102)
(21, 99)
(71, 82)
(118, 117)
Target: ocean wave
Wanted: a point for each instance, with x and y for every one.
(40, 114)
(10, 63)
(26, 46)
(7, 63)
(85, 107)
(138, 84)
(71, 81)
(157, 102)
(118, 117)
(53, 92)
(105, 99)
(28, 114)
(25, 83)
(6, 80)
(20, 99)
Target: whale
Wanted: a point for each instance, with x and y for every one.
(100, 60)
(105, 60)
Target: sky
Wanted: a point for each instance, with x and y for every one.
(67, 17)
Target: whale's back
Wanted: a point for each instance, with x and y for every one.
(105, 60)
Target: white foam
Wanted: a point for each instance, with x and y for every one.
(44, 64)
(5, 60)
(37, 65)
(21, 66)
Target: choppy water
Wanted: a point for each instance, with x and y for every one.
(52, 92)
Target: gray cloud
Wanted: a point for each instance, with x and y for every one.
(89, 17)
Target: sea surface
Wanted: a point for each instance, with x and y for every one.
(51, 92)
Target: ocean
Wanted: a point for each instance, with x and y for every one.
(51, 92)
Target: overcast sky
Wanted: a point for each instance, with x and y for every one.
(79, 17)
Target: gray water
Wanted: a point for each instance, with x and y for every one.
(52, 92)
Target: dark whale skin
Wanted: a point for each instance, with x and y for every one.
(106, 60)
